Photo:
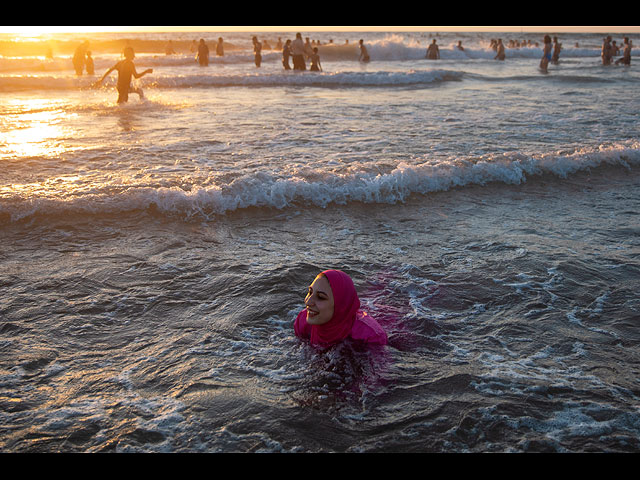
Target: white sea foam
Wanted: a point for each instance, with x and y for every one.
(210, 79)
(278, 191)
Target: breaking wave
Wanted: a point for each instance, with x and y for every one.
(270, 190)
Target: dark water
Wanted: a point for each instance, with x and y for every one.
(508, 330)
(155, 254)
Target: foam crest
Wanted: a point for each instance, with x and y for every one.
(213, 80)
(264, 189)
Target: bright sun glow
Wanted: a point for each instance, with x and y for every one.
(40, 134)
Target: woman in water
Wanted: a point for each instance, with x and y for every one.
(364, 54)
(257, 50)
(546, 54)
(315, 61)
(332, 313)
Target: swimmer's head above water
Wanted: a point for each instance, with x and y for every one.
(331, 306)
(332, 312)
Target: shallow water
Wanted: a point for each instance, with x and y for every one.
(156, 254)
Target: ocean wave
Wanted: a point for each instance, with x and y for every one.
(204, 80)
(37, 65)
(319, 79)
(267, 189)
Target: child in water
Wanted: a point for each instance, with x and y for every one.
(315, 61)
(332, 313)
(126, 69)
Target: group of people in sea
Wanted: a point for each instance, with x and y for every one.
(82, 59)
(296, 51)
(300, 52)
(550, 52)
(610, 49)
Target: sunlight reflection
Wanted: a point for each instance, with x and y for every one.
(34, 129)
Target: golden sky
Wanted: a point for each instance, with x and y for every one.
(34, 30)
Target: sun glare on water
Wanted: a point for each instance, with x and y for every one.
(36, 129)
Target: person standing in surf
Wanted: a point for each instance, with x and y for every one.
(286, 53)
(557, 47)
(364, 54)
(433, 52)
(297, 53)
(315, 61)
(546, 54)
(607, 51)
(203, 54)
(257, 51)
(500, 49)
(79, 57)
(126, 70)
(626, 53)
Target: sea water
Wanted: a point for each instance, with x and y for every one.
(155, 253)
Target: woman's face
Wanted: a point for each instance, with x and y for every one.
(319, 301)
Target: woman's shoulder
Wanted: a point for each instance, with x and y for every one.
(368, 329)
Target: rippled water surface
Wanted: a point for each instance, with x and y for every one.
(155, 254)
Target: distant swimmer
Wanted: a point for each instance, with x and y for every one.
(126, 70)
(286, 53)
(364, 54)
(220, 47)
(500, 49)
(626, 53)
(546, 54)
(315, 61)
(88, 63)
(433, 52)
(308, 48)
(557, 48)
(79, 57)
(257, 51)
(297, 53)
(203, 53)
(459, 46)
(606, 52)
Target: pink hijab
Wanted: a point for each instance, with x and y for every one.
(346, 305)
